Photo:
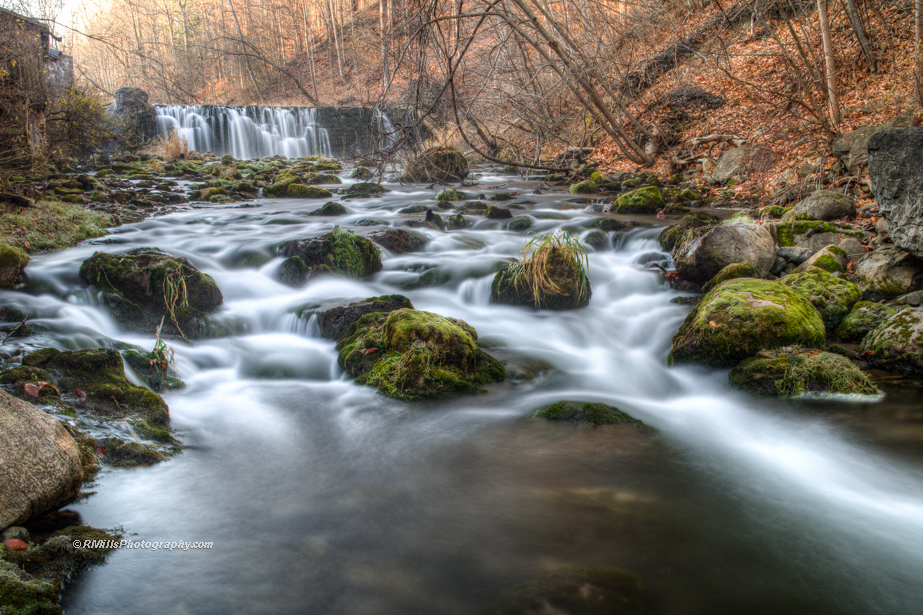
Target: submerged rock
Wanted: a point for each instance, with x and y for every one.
(594, 590)
(741, 317)
(340, 252)
(410, 354)
(40, 468)
(329, 209)
(588, 413)
(897, 343)
(398, 241)
(334, 321)
(146, 285)
(792, 372)
(438, 164)
(701, 259)
(832, 296)
(864, 316)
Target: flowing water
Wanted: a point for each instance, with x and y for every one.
(322, 496)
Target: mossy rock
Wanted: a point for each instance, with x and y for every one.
(294, 272)
(324, 178)
(584, 187)
(864, 316)
(520, 224)
(410, 354)
(595, 590)
(473, 207)
(611, 224)
(498, 213)
(451, 194)
(795, 371)
(641, 201)
(335, 321)
(438, 164)
(456, 222)
(100, 374)
(124, 454)
(342, 252)
(431, 277)
(587, 413)
(501, 196)
(569, 288)
(832, 296)
(733, 271)
(205, 194)
(675, 236)
(897, 343)
(413, 209)
(329, 209)
(362, 173)
(365, 189)
(398, 241)
(13, 262)
(149, 285)
(739, 318)
(143, 363)
(301, 191)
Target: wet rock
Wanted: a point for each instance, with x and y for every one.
(15, 533)
(561, 282)
(701, 259)
(611, 224)
(328, 178)
(888, 272)
(292, 187)
(793, 254)
(398, 241)
(365, 190)
(294, 272)
(434, 219)
(739, 163)
(584, 187)
(897, 343)
(864, 316)
(144, 363)
(473, 207)
(520, 224)
(593, 590)
(330, 209)
(833, 297)
(825, 205)
(498, 213)
(334, 321)
(733, 271)
(741, 317)
(451, 194)
(13, 262)
(641, 201)
(362, 173)
(587, 413)
(146, 285)
(795, 371)
(438, 164)
(410, 354)
(896, 171)
(339, 251)
(675, 236)
(813, 235)
(831, 259)
(40, 468)
(457, 221)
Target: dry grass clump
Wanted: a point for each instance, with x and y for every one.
(169, 148)
(535, 267)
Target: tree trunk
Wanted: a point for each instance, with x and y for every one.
(861, 36)
(918, 48)
(832, 96)
(383, 19)
(240, 33)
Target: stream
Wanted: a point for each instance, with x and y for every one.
(322, 496)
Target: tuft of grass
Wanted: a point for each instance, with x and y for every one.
(740, 216)
(51, 225)
(532, 270)
(170, 147)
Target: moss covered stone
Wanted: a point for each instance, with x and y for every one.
(362, 173)
(13, 262)
(437, 164)
(365, 189)
(451, 194)
(143, 362)
(739, 318)
(795, 371)
(569, 287)
(146, 285)
(398, 241)
(329, 209)
(335, 321)
(864, 316)
(301, 191)
(594, 590)
(897, 343)
(322, 178)
(641, 201)
(341, 251)
(584, 187)
(457, 221)
(832, 296)
(99, 374)
(410, 354)
(676, 235)
(588, 413)
(498, 213)
(733, 271)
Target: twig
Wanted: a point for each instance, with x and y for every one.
(14, 330)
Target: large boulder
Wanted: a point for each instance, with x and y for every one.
(145, 285)
(888, 272)
(552, 279)
(593, 590)
(438, 164)
(864, 316)
(741, 317)
(339, 252)
(852, 147)
(701, 259)
(410, 354)
(40, 468)
(335, 320)
(813, 235)
(741, 162)
(795, 372)
(897, 343)
(641, 201)
(135, 118)
(398, 241)
(832, 296)
(826, 205)
(896, 171)
(673, 237)
(13, 262)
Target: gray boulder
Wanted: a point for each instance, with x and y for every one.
(888, 272)
(698, 261)
(741, 162)
(40, 467)
(852, 148)
(334, 321)
(896, 171)
(826, 205)
(794, 255)
(135, 118)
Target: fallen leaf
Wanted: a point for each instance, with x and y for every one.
(369, 350)
(26, 243)
(80, 394)
(100, 452)
(711, 323)
(35, 388)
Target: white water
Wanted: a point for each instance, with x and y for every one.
(323, 496)
(247, 132)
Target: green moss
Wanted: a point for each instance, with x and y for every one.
(330, 209)
(365, 190)
(323, 178)
(124, 454)
(342, 251)
(451, 194)
(897, 343)
(588, 413)
(793, 372)
(12, 262)
(675, 236)
(362, 173)
(864, 316)
(828, 263)
(51, 225)
(563, 282)
(457, 221)
(738, 318)
(584, 187)
(641, 201)
(306, 192)
(731, 272)
(498, 213)
(832, 296)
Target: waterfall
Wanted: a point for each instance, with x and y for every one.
(247, 132)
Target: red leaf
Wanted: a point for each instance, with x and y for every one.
(369, 350)
(15, 544)
(80, 394)
(35, 388)
(100, 452)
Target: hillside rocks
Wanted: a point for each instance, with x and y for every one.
(700, 259)
(740, 162)
(40, 468)
(741, 317)
(852, 147)
(896, 171)
(145, 285)
(825, 205)
(897, 343)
